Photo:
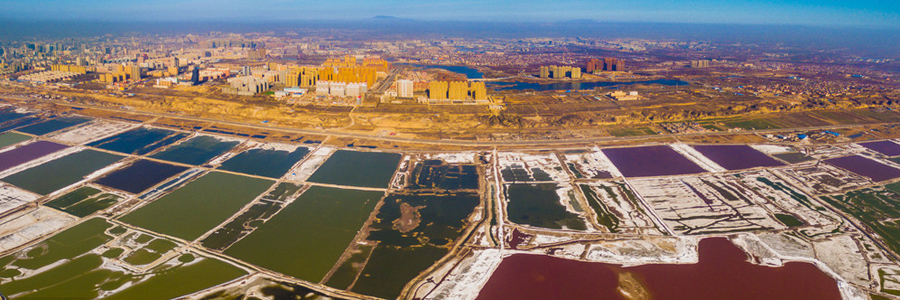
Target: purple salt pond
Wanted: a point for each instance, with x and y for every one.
(737, 157)
(651, 161)
(866, 167)
(884, 147)
(21, 155)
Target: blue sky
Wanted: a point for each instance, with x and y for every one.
(865, 13)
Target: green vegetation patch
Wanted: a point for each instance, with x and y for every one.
(752, 124)
(199, 206)
(632, 131)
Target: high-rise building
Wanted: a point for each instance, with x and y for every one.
(594, 65)
(478, 90)
(554, 72)
(576, 72)
(458, 90)
(257, 54)
(337, 89)
(175, 62)
(195, 76)
(405, 88)
(612, 64)
(135, 72)
(437, 90)
(697, 64)
(545, 72)
(245, 85)
(322, 87)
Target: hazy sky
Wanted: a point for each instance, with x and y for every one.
(867, 13)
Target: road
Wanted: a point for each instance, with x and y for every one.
(444, 142)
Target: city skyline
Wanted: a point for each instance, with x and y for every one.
(873, 13)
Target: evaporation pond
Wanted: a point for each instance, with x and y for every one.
(197, 150)
(139, 141)
(10, 114)
(52, 125)
(10, 125)
(737, 157)
(83, 201)
(866, 167)
(61, 172)
(140, 175)
(412, 232)
(308, 236)
(539, 205)
(12, 138)
(197, 207)
(651, 161)
(264, 162)
(72, 268)
(352, 168)
(888, 148)
(26, 153)
(723, 272)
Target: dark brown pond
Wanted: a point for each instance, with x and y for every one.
(722, 273)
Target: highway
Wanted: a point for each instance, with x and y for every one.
(444, 142)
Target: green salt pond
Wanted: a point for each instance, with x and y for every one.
(539, 205)
(432, 223)
(81, 275)
(199, 206)
(83, 201)
(308, 236)
(12, 138)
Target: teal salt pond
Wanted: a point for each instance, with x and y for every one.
(52, 125)
(199, 206)
(353, 168)
(61, 172)
(264, 162)
(72, 267)
(196, 151)
(308, 236)
(139, 141)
